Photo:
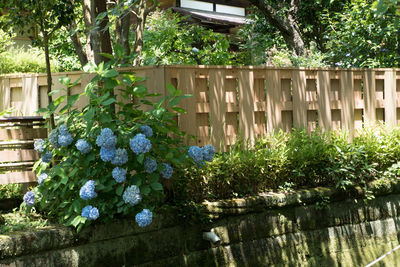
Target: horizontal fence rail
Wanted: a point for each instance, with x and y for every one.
(229, 103)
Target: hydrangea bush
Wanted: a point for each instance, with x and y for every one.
(111, 158)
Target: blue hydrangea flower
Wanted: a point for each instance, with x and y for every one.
(83, 146)
(140, 144)
(86, 211)
(107, 154)
(29, 198)
(87, 190)
(208, 152)
(93, 214)
(167, 172)
(196, 153)
(39, 145)
(63, 130)
(132, 195)
(42, 177)
(53, 138)
(146, 130)
(121, 157)
(144, 218)
(150, 165)
(46, 157)
(65, 140)
(119, 174)
(106, 139)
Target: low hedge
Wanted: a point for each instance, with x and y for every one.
(287, 161)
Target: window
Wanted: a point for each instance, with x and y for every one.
(200, 5)
(230, 10)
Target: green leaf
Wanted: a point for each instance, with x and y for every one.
(42, 110)
(140, 158)
(64, 180)
(119, 190)
(54, 92)
(76, 220)
(65, 81)
(108, 101)
(110, 73)
(145, 190)
(179, 110)
(106, 55)
(140, 89)
(171, 89)
(90, 67)
(89, 115)
(72, 99)
(76, 205)
(156, 186)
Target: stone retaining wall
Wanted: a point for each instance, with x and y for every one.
(268, 230)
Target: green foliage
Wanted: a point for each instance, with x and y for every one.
(22, 221)
(71, 169)
(284, 58)
(16, 60)
(5, 40)
(168, 39)
(289, 161)
(10, 191)
(360, 38)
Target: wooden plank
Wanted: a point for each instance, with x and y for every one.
(390, 98)
(187, 122)
(5, 93)
(23, 134)
(274, 99)
(25, 119)
(231, 87)
(347, 93)
(217, 108)
(324, 102)
(16, 100)
(18, 155)
(246, 104)
(299, 99)
(30, 92)
(17, 177)
(369, 98)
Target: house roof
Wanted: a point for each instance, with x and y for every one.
(213, 17)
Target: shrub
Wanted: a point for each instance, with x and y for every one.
(16, 60)
(100, 157)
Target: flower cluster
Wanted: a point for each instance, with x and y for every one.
(87, 190)
(106, 139)
(64, 137)
(39, 145)
(29, 198)
(119, 174)
(167, 172)
(42, 177)
(90, 212)
(107, 154)
(132, 195)
(46, 157)
(199, 155)
(53, 138)
(146, 130)
(83, 146)
(144, 218)
(120, 158)
(150, 165)
(140, 144)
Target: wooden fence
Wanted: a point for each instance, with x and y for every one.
(248, 102)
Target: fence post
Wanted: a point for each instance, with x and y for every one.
(186, 83)
(369, 98)
(347, 101)
(324, 101)
(246, 104)
(274, 100)
(390, 98)
(299, 99)
(217, 108)
(30, 92)
(5, 93)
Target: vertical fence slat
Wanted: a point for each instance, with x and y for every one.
(390, 98)
(217, 109)
(324, 101)
(369, 97)
(274, 100)
(5, 93)
(347, 100)
(186, 83)
(299, 99)
(30, 95)
(246, 104)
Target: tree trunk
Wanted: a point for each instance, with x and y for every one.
(138, 42)
(49, 78)
(104, 33)
(122, 31)
(92, 35)
(288, 27)
(77, 44)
